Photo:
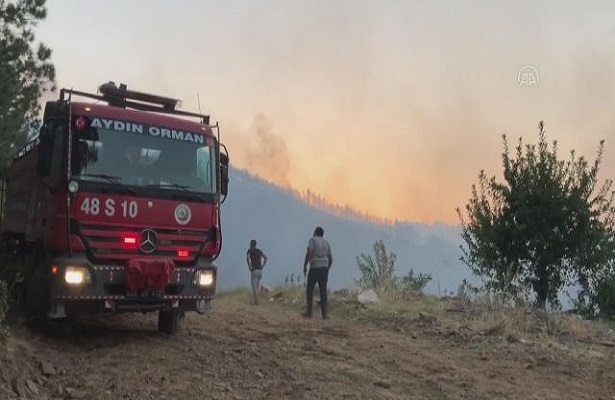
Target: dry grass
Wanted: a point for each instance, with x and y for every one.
(481, 317)
(238, 292)
(522, 322)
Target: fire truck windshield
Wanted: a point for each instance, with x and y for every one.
(142, 160)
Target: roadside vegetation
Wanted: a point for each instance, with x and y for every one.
(26, 73)
(547, 226)
(470, 314)
(465, 320)
(378, 274)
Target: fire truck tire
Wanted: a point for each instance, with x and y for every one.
(168, 321)
(37, 293)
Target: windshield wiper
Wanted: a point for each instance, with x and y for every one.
(169, 185)
(112, 179)
(183, 189)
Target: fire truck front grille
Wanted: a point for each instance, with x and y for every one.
(114, 243)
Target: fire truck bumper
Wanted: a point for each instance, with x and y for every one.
(79, 288)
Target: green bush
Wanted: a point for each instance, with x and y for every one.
(378, 273)
(377, 270)
(548, 224)
(414, 283)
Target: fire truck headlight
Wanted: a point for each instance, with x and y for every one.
(204, 278)
(77, 275)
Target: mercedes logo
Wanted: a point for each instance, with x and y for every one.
(148, 241)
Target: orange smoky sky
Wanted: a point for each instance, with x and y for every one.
(390, 107)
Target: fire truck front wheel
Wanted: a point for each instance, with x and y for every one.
(37, 293)
(168, 321)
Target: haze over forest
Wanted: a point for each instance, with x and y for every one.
(282, 223)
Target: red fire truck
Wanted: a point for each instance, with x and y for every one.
(115, 207)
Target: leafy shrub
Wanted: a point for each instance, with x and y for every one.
(377, 270)
(547, 225)
(378, 273)
(414, 283)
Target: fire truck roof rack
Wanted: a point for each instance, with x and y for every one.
(122, 97)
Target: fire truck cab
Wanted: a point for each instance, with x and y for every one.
(115, 207)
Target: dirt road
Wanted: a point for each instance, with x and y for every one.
(270, 352)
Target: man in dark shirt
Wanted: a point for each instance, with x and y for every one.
(256, 260)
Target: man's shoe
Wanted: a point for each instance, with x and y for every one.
(306, 314)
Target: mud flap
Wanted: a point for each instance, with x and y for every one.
(37, 293)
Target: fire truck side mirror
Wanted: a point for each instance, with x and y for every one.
(223, 174)
(45, 148)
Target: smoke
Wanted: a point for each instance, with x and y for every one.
(267, 155)
(390, 107)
